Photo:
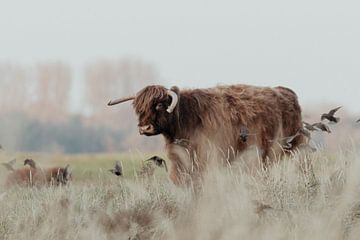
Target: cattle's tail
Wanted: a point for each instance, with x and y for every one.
(291, 115)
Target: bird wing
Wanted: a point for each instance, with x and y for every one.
(333, 111)
(291, 138)
(306, 124)
(305, 132)
(322, 127)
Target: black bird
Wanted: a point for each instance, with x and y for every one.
(309, 126)
(9, 165)
(118, 169)
(158, 162)
(330, 116)
(30, 162)
(244, 134)
(289, 140)
(322, 126)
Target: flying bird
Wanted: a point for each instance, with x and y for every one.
(30, 162)
(309, 127)
(289, 140)
(304, 131)
(118, 169)
(330, 116)
(322, 126)
(9, 165)
(158, 162)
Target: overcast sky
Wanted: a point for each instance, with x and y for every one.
(310, 46)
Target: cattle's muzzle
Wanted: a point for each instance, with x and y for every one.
(147, 130)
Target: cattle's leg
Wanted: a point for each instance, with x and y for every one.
(176, 175)
(178, 170)
(265, 147)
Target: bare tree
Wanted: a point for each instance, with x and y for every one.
(15, 86)
(53, 85)
(106, 79)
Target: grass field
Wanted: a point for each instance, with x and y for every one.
(290, 201)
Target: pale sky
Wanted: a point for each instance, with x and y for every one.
(311, 46)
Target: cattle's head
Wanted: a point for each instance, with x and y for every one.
(156, 108)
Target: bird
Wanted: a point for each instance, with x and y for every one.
(118, 169)
(304, 131)
(330, 116)
(289, 140)
(1, 147)
(358, 121)
(30, 162)
(309, 127)
(322, 126)
(158, 162)
(9, 165)
(244, 134)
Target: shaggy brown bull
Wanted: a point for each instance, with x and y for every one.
(191, 120)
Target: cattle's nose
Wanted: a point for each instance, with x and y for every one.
(144, 129)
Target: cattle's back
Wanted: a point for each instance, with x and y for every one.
(25, 177)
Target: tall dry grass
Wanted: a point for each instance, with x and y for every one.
(292, 200)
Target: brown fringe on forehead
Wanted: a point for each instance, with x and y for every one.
(147, 96)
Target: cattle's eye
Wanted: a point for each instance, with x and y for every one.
(159, 106)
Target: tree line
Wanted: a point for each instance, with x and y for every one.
(36, 100)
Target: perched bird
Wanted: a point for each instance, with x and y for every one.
(158, 162)
(9, 165)
(118, 169)
(309, 127)
(322, 126)
(330, 116)
(244, 134)
(30, 162)
(358, 121)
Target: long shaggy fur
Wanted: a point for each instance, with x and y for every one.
(214, 117)
(37, 177)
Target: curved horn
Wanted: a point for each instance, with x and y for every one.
(120, 100)
(174, 101)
